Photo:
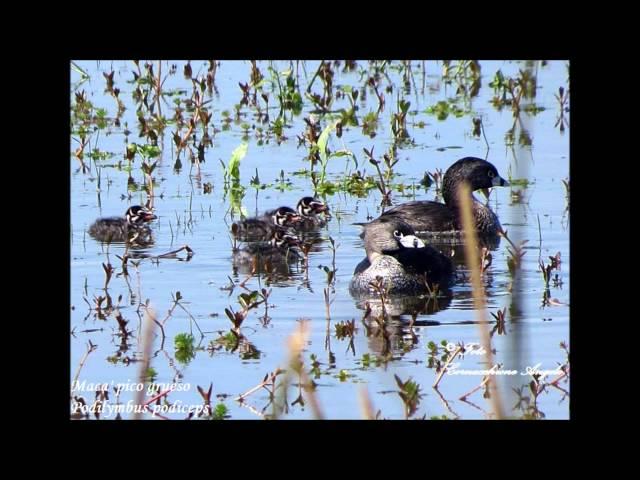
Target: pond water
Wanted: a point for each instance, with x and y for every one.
(194, 205)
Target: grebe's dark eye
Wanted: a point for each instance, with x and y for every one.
(491, 174)
(397, 234)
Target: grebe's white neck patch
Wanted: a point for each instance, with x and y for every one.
(411, 241)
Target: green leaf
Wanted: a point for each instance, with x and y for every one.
(260, 84)
(237, 155)
(246, 299)
(75, 67)
(324, 139)
(342, 153)
(327, 188)
(219, 412)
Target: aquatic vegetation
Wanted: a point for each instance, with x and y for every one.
(184, 345)
(204, 142)
(232, 185)
(563, 103)
(383, 179)
(410, 393)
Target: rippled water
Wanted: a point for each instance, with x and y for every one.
(189, 216)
